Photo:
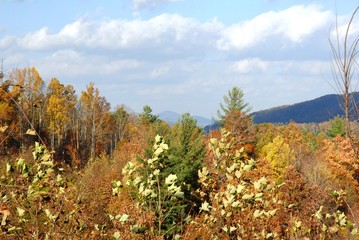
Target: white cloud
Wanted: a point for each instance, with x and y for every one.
(6, 42)
(183, 62)
(159, 72)
(258, 66)
(293, 24)
(73, 63)
(172, 35)
(141, 4)
(163, 31)
(252, 65)
(342, 25)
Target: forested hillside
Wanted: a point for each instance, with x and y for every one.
(314, 111)
(73, 169)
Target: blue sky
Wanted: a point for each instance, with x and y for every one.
(178, 55)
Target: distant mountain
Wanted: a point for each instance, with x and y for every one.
(202, 121)
(172, 117)
(314, 111)
(169, 117)
(214, 126)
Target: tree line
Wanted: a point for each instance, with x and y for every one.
(75, 127)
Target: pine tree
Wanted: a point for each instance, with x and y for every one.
(187, 151)
(337, 127)
(233, 102)
(147, 117)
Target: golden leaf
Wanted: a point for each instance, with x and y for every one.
(3, 129)
(31, 132)
(5, 213)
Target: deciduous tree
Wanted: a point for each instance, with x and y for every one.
(61, 101)
(94, 110)
(121, 119)
(27, 90)
(345, 66)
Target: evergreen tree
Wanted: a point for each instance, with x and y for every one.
(187, 150)
(147, 117)
(337, 127)
(233, 102)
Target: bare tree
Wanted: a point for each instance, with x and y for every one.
(344, 67)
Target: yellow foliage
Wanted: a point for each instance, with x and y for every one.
(279, 154)
(60, 104)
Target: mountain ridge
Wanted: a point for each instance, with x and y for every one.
(317, 110)
(172, 117)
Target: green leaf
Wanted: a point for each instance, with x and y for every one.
(179, 194)
(273, 212)
(247, 196)
(124, 218)
(247, 167)
(11, 229)
(156, 172)
(8, 168)
(171, 179)
(214, 141)
(20, 162)
(257, 213)
(46, 157)
(158, 138)
(116, 235)
(260, 183)
(158, 151)
(205, 206)
(31, 132)
(188, 219)
(59, 178)
(48, 163)
(20, 212)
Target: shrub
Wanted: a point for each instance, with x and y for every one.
(241, 202)
(279, 155)
(36, 199)
(145, 181)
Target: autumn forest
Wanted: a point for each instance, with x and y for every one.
(72, 168)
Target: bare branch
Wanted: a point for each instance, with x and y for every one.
(344, 67)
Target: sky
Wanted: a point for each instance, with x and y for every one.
(179, 55)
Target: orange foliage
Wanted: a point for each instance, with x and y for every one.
(144, 219)
(240, 126)
(342, 165)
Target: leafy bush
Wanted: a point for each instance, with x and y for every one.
(35, 203)
(155, 191)
(239, 202)
(279, 155)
